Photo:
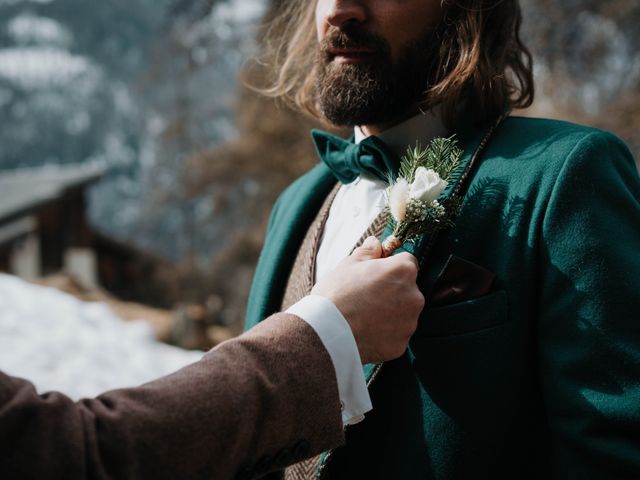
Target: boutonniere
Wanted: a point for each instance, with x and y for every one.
(414, 199)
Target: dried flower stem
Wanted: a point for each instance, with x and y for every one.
(390, 244)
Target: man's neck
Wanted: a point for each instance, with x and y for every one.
(369, 130)
(377, 129)
(421, 128)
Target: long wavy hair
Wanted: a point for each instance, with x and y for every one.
(481, 63)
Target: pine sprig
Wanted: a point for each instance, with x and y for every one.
(442, 155)
(414, 157)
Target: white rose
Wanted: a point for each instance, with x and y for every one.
(427, 185)
(398, 196)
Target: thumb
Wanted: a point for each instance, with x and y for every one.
(369, 250)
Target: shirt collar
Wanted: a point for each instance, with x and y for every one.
(421, 128)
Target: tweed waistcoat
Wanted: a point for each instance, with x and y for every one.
(300, 283)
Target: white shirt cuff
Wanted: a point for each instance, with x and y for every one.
(337, 337)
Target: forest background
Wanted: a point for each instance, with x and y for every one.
(149, 89)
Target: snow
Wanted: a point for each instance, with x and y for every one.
(14, 2)
(79, 348)
(31, 29)
(238, 12)
(42, 67)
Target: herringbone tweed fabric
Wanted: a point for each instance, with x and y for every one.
(302, 276)
(299, 285)
(376, 229)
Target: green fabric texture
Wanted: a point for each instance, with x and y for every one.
(347, 159)
(538, 379)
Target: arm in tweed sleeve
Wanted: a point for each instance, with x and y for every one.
(254, 404)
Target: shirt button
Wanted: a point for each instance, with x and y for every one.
(341, 405)
(356, 211)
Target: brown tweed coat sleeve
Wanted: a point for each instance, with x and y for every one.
(253, 404)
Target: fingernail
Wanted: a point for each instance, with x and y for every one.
(370, 243)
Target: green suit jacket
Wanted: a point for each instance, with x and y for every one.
(540, 378)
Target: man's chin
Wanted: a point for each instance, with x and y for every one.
(350, 117)
(353, 67)
(363, 93)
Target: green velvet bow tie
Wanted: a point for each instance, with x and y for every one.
(348, 160)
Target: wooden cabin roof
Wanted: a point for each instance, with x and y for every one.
(24, 190)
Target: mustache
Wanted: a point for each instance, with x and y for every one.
(353, 37)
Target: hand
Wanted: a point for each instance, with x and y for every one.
(378, 297)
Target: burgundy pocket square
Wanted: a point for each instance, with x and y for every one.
(458, 281)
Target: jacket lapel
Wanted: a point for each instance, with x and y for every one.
(290, 219)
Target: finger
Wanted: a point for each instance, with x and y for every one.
(407, 257)
(370, 249)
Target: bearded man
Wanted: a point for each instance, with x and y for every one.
(526, 360)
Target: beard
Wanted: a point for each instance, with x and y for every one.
(377, 90)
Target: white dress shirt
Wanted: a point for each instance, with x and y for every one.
(354, 208)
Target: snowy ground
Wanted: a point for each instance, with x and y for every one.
(79, 348)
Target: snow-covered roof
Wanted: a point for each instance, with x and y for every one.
(26, 189)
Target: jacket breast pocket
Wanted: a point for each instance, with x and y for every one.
(464, 317)
(465, 356)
